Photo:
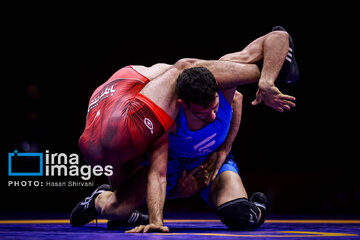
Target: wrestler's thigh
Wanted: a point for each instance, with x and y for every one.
(226, 187)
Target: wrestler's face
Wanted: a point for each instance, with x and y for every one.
(206, 114)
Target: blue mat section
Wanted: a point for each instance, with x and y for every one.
(209, 229)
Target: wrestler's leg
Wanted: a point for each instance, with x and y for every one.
(226, 187)
(126, 197)
(128, 184)
(126, 194)
(252, 53)
(272, 48)
(233, 208)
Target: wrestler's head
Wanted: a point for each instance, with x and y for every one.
(198, 92)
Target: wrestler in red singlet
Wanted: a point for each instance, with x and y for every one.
(121, 124)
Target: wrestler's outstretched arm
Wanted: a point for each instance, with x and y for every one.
(156, 188)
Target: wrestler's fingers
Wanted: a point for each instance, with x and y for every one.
(137, 229)
(289, 103)
(196, 170)
(155, 228)
(215, 174)
(287, 97)
(184, 173)
(278, 108)
(285, 107)
(257, 100)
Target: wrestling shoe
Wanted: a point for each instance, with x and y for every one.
(289, 72)
(260, 200)
(135, 219)
(84, 212)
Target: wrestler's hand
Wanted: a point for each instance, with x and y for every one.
(149, 228)
(213, 164)
(189, 183)
(272, 97)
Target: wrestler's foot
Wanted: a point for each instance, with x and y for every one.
(260, 200)
(84, 212)
(289, 72)
(135, 219)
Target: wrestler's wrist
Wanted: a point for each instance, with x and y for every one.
(265, 83)
(156, 222)
(224, 151)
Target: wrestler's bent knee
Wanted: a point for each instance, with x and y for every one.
(113, 210)
(238, 214)
(280, 34)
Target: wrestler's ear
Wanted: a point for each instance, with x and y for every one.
(181, 102)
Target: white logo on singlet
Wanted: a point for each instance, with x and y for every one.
(149, 125)
(104, 94)
(204, 145)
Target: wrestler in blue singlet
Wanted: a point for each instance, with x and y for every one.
(189, 149)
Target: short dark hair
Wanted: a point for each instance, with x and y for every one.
(197, 85)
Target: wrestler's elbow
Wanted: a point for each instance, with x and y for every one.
(157, 176)
(237, 102)
(238, 96)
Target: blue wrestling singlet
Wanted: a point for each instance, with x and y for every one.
(189, 149)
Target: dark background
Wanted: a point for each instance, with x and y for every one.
(303, 159)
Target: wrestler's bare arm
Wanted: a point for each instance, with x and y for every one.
(236, 105)
(156, 189)
(216, 159)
